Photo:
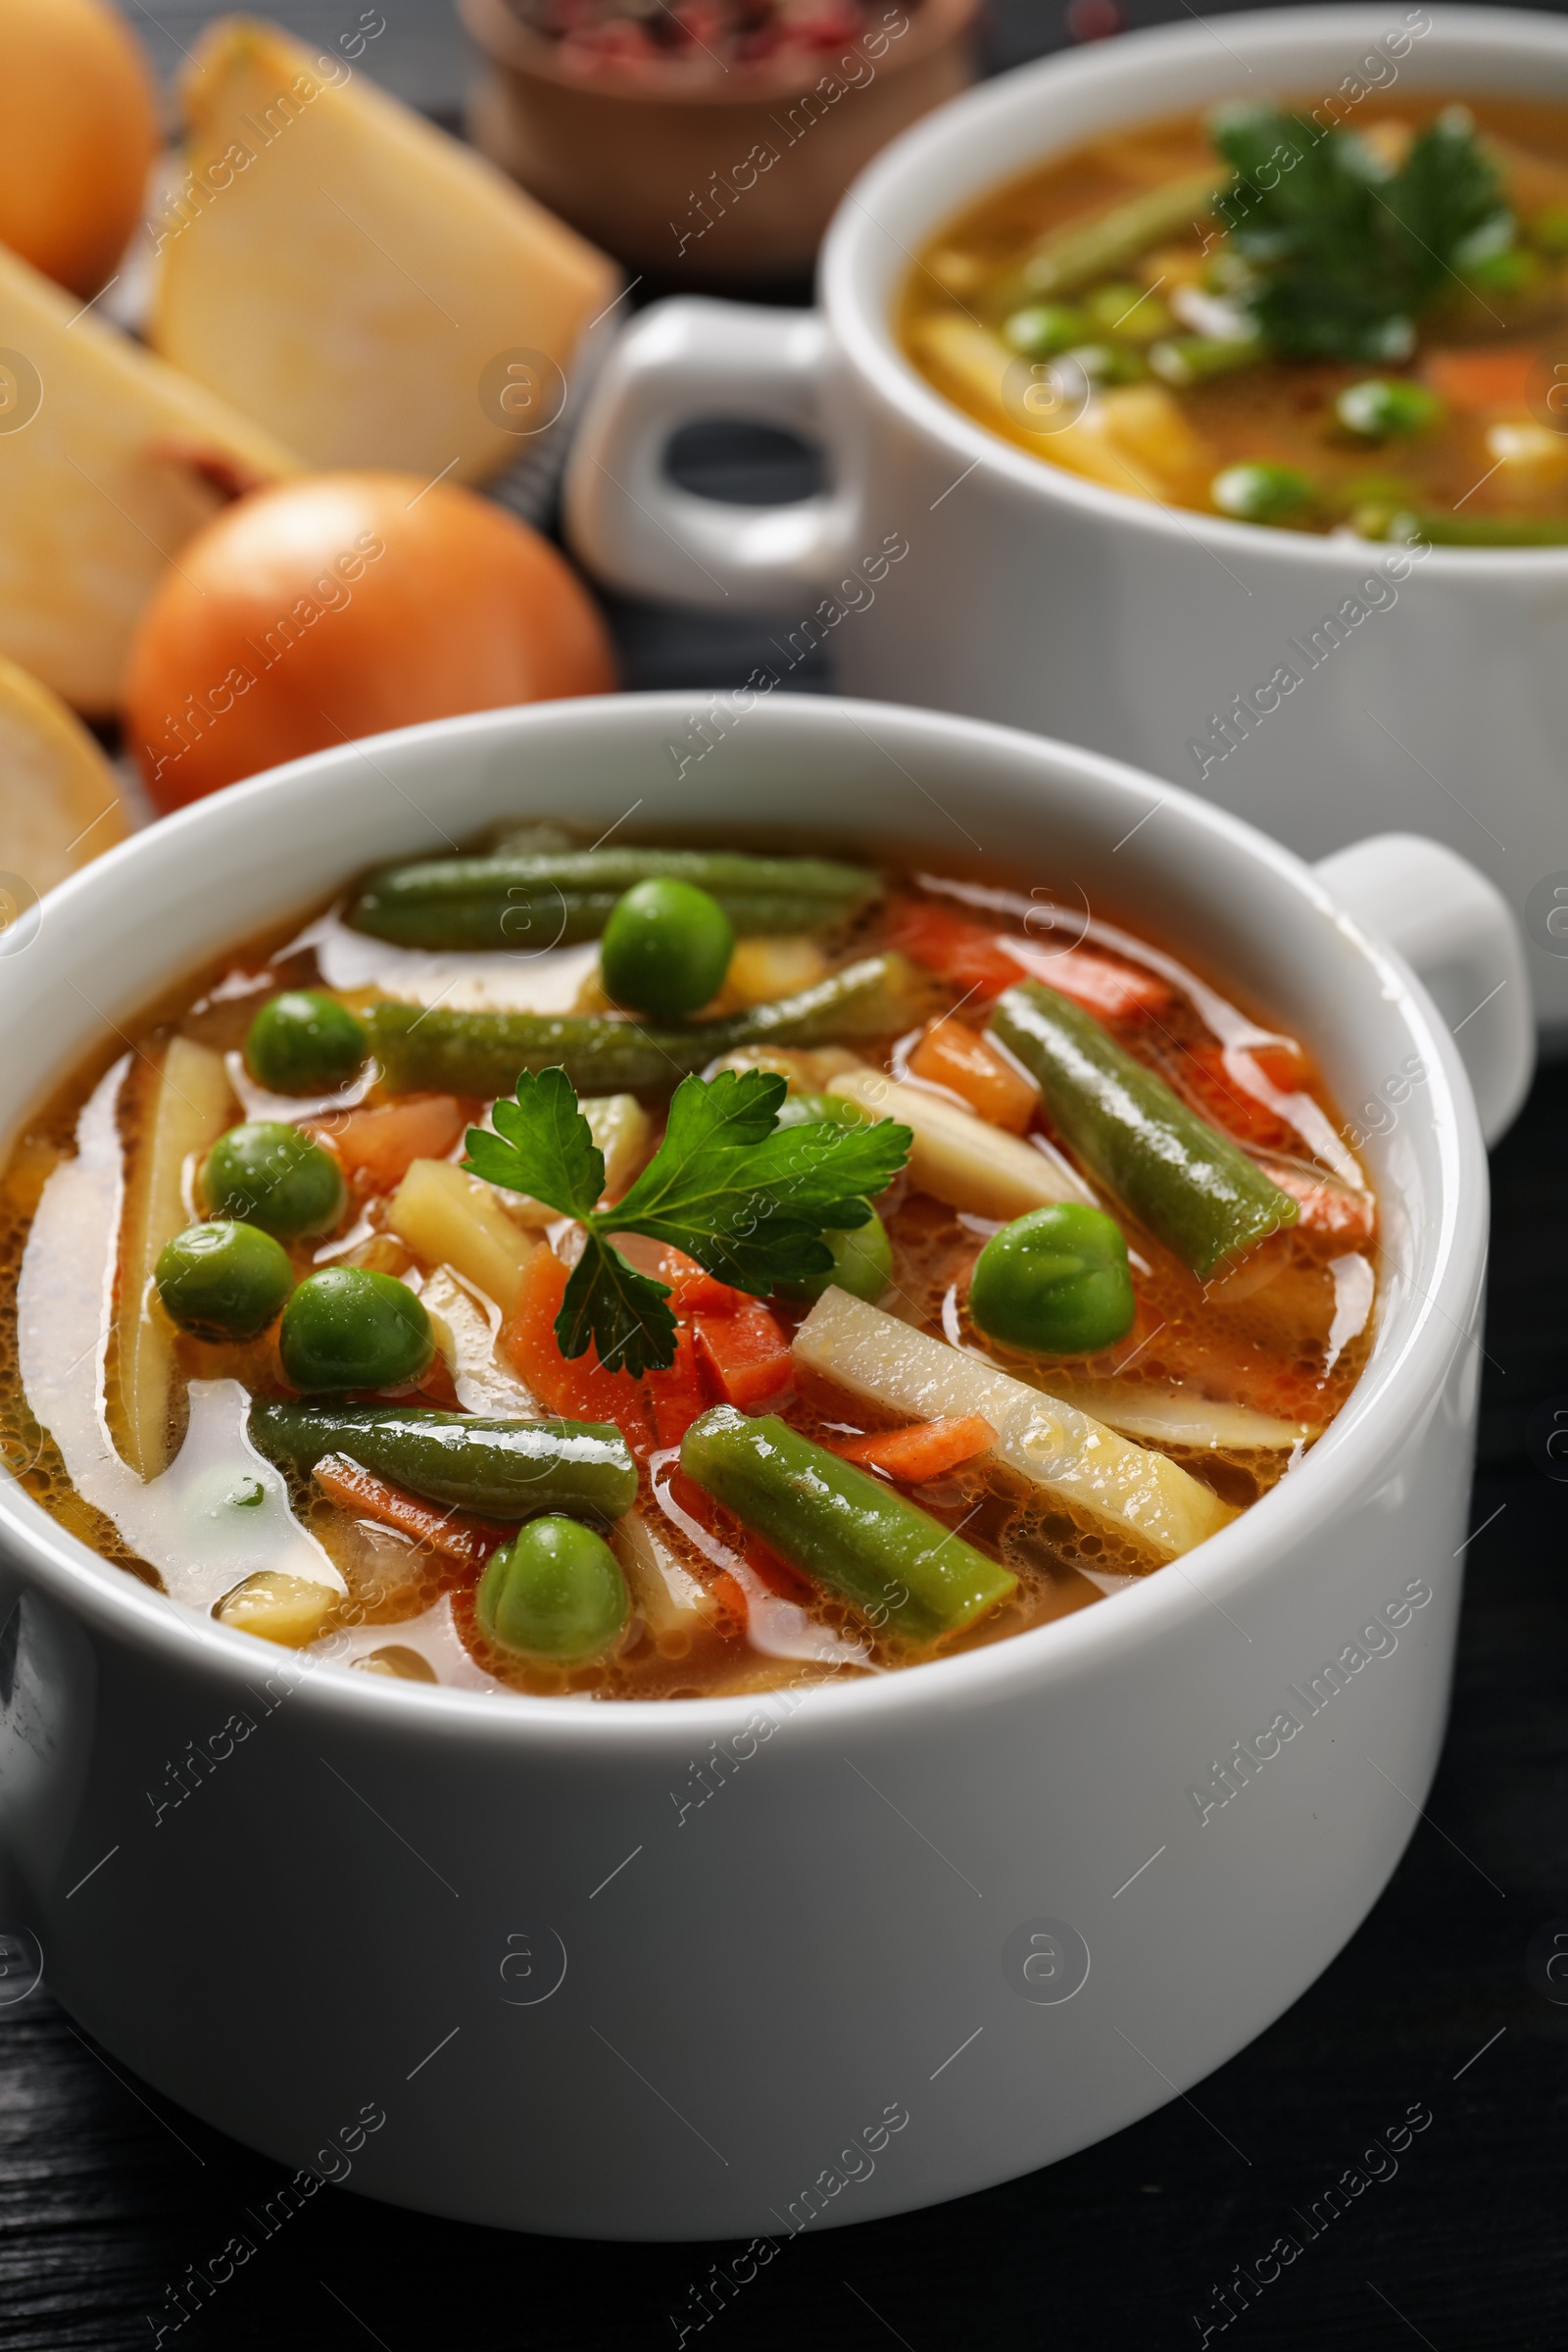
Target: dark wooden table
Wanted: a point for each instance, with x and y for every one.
(106, 2194)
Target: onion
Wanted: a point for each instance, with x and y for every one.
(78, 130)
(336, 606)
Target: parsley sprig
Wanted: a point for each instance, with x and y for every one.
(1345, 254)
(747, 1198)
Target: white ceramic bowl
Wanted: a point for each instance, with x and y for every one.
(727, 1968)
(1021, 593)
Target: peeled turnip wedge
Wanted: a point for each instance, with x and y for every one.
(220, 1513)
(874, 1357)
(186, 1110)
(959, 1158)
(1172, 1416)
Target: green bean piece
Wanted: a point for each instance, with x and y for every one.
(303, 1041)
(222, 1281)
(1411, 526)
(665, 950)
(892, 1561)
(554, 898)
(1187, 360)
(1193, 1188)
(441, 1050)
(502, 1469)
(553, 1593)
(1134, 313)
(1065, 259)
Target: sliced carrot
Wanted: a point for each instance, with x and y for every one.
(959, 1058)
(776, 1574)
(377, 1147)
(1500, 377)
(694, 1291)
(1329, 1212)
(925, 1450)
(1201, 1074)
(580, 1388)
(985, 962)
(455, 1535)
(745, 1354)
(677, 1395)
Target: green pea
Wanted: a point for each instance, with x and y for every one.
(304, 1043)
(1110, 362)
(1262, 493)
(222, 1281)
(823, 1110)
(1128, 311)
(274, 1176)
(349, 1327)
(1512, 271)
(1386, 408)
(1043, 328)
(666, 948)
(1054, 1283)
(555, 1593)
(863, 1263)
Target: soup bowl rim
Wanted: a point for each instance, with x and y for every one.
(1388, 1402)
(863, 323)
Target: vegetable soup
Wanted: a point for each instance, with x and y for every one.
(1270, 314)
(647, 1272)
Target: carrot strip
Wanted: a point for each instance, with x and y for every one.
(984, 962)
(925, 1450)
(578, 1388)
(375, 1147)
(1476, 380)
(747, 1354)
(959, 1058)
(458, 1535)
(1330, 1212)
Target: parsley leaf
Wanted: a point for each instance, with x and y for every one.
(748, 1199)
(1344, 253)
(543, 1145)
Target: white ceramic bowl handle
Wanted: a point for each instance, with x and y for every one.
(1454, 928)
(684, 359)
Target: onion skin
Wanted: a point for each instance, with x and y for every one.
(337, 605)
(78, 130)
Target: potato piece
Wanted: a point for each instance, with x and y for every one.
(122, 460)
(1135, 439)
(354, 277)
(762, 969)
(453, 1219)
(187, 1108)
(872, 1356)
(279, 1608)
(957, 1157)
(1163, 1416)
(1531, 458)
(667, 1596)
(58, 797)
